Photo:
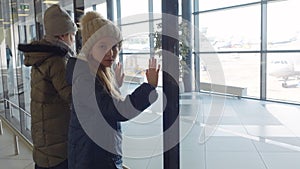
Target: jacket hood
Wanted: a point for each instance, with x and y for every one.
(36, 53)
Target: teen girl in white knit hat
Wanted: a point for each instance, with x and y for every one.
(95, 138)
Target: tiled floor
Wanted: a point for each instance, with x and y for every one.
(246, 134)
(8, 159)
(216, 133)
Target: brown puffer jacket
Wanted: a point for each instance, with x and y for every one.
(50, 102)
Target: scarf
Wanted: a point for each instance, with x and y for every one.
(57, 42)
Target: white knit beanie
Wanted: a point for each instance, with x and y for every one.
(93, 28)
(58, 22)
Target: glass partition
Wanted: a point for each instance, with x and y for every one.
(142, 145)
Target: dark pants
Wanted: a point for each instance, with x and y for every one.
(8, 63)
(62, 165)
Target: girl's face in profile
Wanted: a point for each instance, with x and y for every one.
(105, 51)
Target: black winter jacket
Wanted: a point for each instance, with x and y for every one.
(95, 138)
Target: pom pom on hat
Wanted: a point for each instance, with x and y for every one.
(90, 23)
(58, 22)
(94, 27)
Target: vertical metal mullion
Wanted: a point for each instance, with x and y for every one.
(20, 82)
(151, 28)
(21, 98)
(18, 71)
(78, 12)
(196, 46)
(187, 73)
(118, 2)
(94, 6)
(263, 53)
(119, 15)
(110, 10)
(170, 52)
(38, 8)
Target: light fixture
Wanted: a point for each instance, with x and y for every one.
(23, 14)
(50, 2)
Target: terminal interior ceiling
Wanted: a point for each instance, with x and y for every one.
(236, 69)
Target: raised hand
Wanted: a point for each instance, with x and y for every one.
(152, 72)
(119, 75)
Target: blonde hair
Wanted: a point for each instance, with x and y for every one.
(105, 75)
(93, 27)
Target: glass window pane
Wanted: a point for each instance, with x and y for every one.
(142, 136)
(239, 29)
(90, 5)
(282, 31)
(213, 4)
(136, 43)
(134, 18)
(157, 6)
(102, 8)
(135, 65)
(283, 76)
(133, 7)
(241, 72)
(12, 33)
(26, 87)
(27, 34)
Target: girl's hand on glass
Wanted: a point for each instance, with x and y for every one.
(152, 72)
(119, 75)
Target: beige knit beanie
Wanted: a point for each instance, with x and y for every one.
(58, 22)
(94, 27)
